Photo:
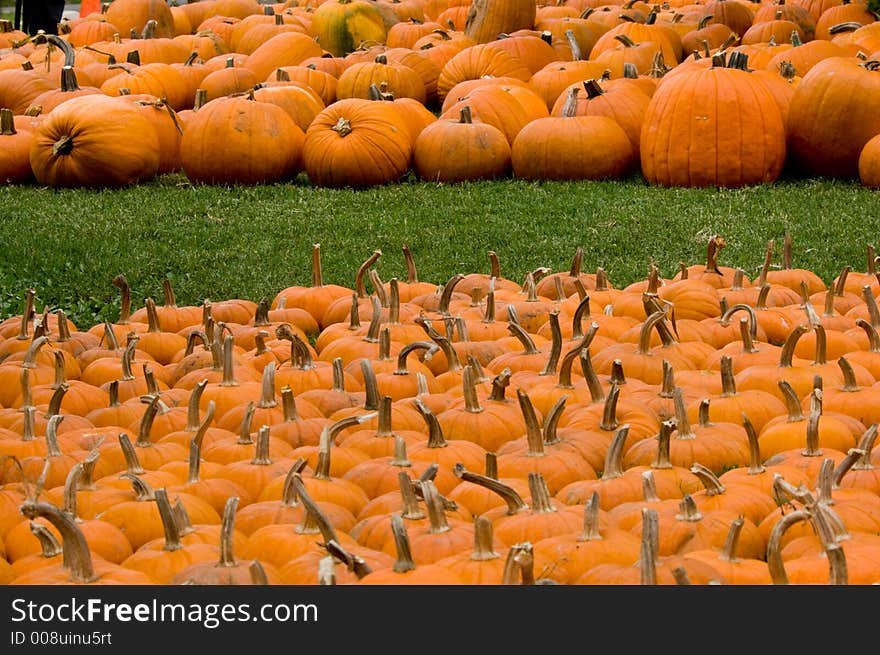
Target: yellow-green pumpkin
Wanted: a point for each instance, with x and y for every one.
(341, 26)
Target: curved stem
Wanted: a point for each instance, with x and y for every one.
(515, 503)
(172, 531)
(774, 544)
(435, 431)
(76, 555)
(534, 436)
(227, 534)
(289, 494)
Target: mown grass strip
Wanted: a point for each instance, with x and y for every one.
(248, 242)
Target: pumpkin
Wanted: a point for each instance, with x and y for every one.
(77, 566)
(455, 150)
(342, 26)
(222, 139)
(705, 162)
(834, 103)
(15, 165)
(95, 141)
(284, 49)
(869, 163)
(128, 15)
(478, 61)
(227, 569)
(572, 147)
(357, 142)
(486, 19)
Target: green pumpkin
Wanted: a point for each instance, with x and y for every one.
(341, 26)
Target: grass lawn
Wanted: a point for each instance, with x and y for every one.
(249, 242)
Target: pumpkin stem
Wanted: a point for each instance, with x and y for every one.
(484, 549)
(774, 544)
(289, 494)
(688, 510)
(438, 523)
(49, 545)
(872, 334)
(404, 561)
(515, 503)
(609, 411)
(76, 555)
(533, 428)
(314, 516)
(435, 431)
(352, 562)
(245, 431)
(664, 437)
(499, 386)
(649, 547)
(555, 344)
(227, 534)
(172, 531)
(866, 445)
(411, 510)
(261, 454)
(542, 501)
(565, 381)
(342, 127)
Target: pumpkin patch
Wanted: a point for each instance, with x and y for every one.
(401, 465)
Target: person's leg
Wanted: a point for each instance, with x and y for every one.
(42, 15)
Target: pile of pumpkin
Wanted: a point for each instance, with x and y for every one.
(703, 428)
(364, 92)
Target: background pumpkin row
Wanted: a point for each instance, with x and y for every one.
(448, 101)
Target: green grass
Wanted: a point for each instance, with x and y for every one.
(250, 242)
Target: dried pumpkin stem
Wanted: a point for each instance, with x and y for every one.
(76, 555)
(515, 503)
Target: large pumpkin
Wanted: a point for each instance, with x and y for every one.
(712, 126)
(486, 19)
(127, 15)
(572, 147)
(342, 26)
(834, 112)
(238, 139)
(94, 141)
(357, 142)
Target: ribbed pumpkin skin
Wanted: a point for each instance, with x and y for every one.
(712, 127)
(18, 88)
(400, 81)
(834, 112)
(342, 25)
(15, 145)
(129, 15)
(236, 140)
(457, 150)
(110, 143)
(479, 61)
(572, 148)
(487, 19)
(376, 150)
(285, 49)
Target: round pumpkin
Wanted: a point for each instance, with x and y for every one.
(241, 140)
(95, 141)
(342, 26)
(358, 143)
(712, 126)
